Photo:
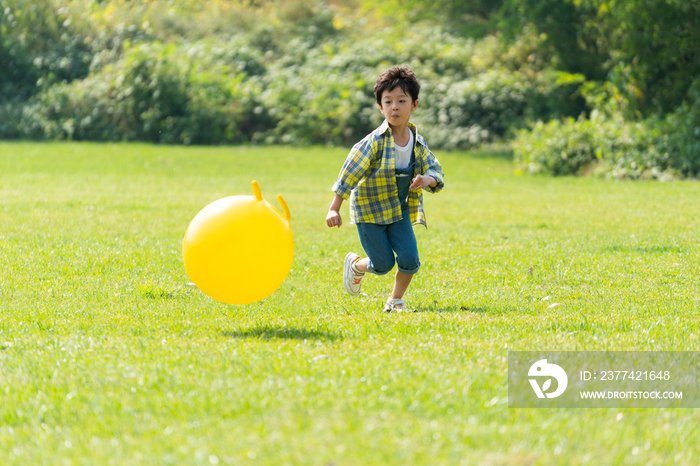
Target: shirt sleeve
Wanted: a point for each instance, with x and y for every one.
(434, 169)
(355, 169)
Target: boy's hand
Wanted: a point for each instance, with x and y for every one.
(333, 219)
(422, 181)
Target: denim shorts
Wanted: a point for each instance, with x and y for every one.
(381, 242)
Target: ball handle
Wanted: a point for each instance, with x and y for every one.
(285, 208)
(256, 191)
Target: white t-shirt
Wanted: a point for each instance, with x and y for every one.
(403, 154)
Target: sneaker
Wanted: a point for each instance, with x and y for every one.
(351, 279)
(396, 305)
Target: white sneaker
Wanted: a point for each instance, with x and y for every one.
(396, 305)
(351, 279)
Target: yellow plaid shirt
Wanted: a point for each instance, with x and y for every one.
(368, 178)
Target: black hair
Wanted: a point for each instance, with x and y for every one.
(399, 75)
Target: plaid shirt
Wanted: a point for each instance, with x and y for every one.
(368, 178)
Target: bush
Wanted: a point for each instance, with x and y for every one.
(683, 134)
(611, 146)
(298, 75)
(42, 44)
(11, 119)
(34, 43)
(152, 94)
(228, 89)
(569, 147)
(325, 94)
(563, 147)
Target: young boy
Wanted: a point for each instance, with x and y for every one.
(383, 176)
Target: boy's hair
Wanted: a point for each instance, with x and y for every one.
(399, 75)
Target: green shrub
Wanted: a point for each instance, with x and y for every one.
(152, 94)
(227, 89)
(570, 147)
(35, 41)
(653, 148)
(683, 134)
(298, 76)
(325, 94)
(46, 42)
(11, 119)
(557, 147)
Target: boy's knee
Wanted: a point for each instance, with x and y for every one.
(381, 266)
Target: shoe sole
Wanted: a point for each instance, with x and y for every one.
(347, 271)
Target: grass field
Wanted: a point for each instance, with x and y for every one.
(109, 355)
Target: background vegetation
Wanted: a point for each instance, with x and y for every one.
(573, 85)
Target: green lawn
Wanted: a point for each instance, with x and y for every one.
(110, 356)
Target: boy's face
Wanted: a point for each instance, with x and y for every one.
(397, 107)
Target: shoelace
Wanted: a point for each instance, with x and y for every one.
(356, 281)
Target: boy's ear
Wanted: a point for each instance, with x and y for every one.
(415, 105)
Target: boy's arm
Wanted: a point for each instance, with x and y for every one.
(434, 171)
(333, 218)
(423, 181)
(356, 167)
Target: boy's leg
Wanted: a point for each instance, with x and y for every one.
(352, 278)
(375, 242)
(362, 265)
(403, 242)
(401, 283)
(379, 260)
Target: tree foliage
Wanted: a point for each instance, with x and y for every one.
(649, 49)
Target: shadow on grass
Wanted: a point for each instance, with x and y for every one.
(654, 249)
(461, 309)
(284, 333)
(158, 294)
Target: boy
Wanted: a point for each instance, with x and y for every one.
(383, 176)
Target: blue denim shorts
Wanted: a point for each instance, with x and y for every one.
(381, 242)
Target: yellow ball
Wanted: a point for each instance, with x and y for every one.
(239, 249)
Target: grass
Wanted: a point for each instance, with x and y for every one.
(109, 356)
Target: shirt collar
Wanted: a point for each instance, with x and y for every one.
(384, 127)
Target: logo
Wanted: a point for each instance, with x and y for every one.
(543, 369)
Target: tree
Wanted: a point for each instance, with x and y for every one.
(649, 49)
